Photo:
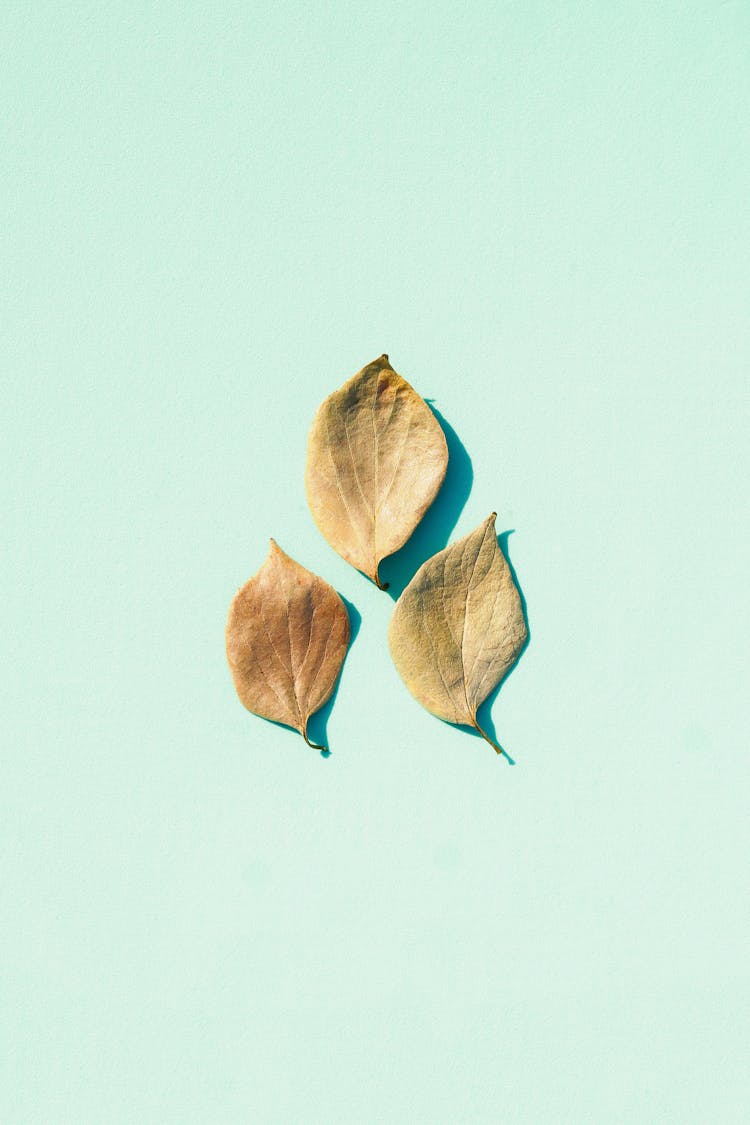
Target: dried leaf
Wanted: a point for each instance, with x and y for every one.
(376, 457)
(458, 627)
(287, 636)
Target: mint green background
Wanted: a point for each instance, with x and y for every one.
(212, 215)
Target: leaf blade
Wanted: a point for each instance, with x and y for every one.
(459, 627)
(376, 459)
(287, 635)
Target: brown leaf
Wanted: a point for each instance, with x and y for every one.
(458, 627)
(287, 636)
(376, 457)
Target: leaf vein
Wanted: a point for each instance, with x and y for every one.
(435, 650)
(354, 467)
(399, 459)
(354, 526)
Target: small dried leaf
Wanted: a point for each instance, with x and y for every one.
(376, 458)
(458, 627)
(287, 636)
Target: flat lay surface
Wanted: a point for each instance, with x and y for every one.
(213, 217)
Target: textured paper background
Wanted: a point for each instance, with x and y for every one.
(212, 216)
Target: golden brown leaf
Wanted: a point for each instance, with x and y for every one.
(287, 636)
(458, 627)
(376, 457)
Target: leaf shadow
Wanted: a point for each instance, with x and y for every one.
(317, 724)
(484, 718)
(434, 530)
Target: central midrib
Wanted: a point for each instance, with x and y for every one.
(376, 455)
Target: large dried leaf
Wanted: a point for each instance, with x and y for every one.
(376, 457)
(458, 627)
(287, 636)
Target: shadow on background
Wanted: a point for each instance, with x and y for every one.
(434, 530)
(484, 717)
(317, 726)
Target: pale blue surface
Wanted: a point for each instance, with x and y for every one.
(212, 217)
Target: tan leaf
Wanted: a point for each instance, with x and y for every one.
(287, 636)
(376, 457)
(458, 627)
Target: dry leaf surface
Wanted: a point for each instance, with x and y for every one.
(286, 638)
(376, 458)
(458, 627)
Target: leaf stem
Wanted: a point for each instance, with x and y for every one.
(495, 746)
(380, 585)
(313, 745)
